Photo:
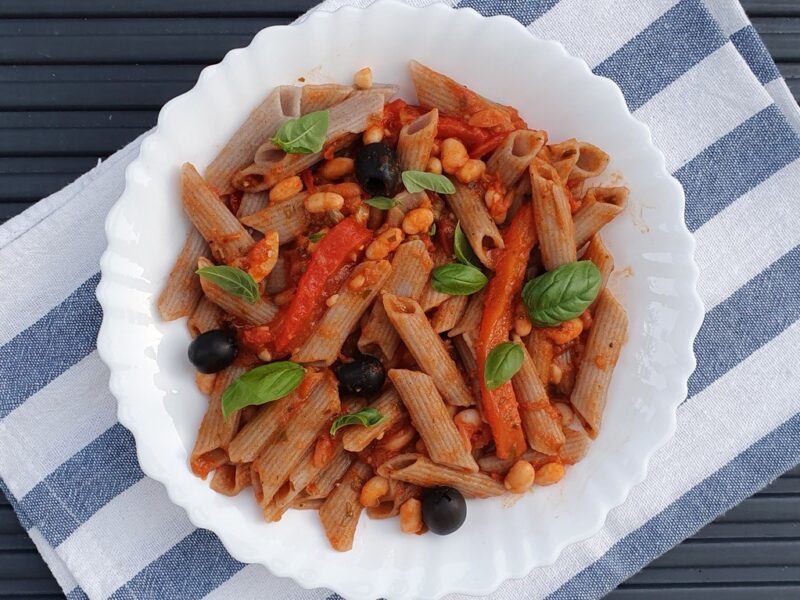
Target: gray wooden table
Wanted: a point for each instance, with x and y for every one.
(71, 93)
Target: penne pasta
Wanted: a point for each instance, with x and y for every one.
(422, 471)
(541, 351)
(411, 267)
(205, 317)
(591, 162)
(601, 257)
(399, 492)
(427, 349)
(252, 202)
(231, 479)
(576, 445)
(355, 439)
(600, 206)
(324, 344)
(552, 216)
(470, 321)
(476, 223)
(265, 120)
(415, 142)
(316, 97)
(431, 419)
(606, 337)
(288, 218)
(303, 503)
(259, 313)
(566, 364)
(182, 290)
(404, 202)
(563, 156)
(511, 159)
(449, 313)
(430, 298)
(330, 476)
(341, 510)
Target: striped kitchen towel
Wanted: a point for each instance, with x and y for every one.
(700, 77)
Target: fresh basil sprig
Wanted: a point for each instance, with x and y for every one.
(502, 364)
(463, 250)
(304, 135)
(366, 417)
(457, 279)
(382, 202)
(417, 181)
(261, 385)
(316, 236)
(232, 280)
(561, 294)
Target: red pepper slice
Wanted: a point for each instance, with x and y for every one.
(500, 404)
(329, 258)
(453, 127)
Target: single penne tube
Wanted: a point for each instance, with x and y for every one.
(389, 506)
(324, 344)
(211, 446)
(566, 365)
(404, 202)
(470, 321)
(449, 313)
(430, 298)
(282, 103)
(411, 267)
(465, 348)
(552, 216)
(279, 278)
(541, 421)
(606, 337)
(305, 472)
(288, 218)
(427, 348)
(251, 203)
(259, 313)
(511, 159)
(477, 225)
(576, 445)
(303, 503)
(223, 232)
(600, 206)
(355, 439)
(341, 510)
(541, 350)
(422, 471)
(205, 382)
(182, 290)
(323, 95)
(601, 257)
(271, 164)
(231, 479)
(591, 162)
(330, 476)
(269, 421)
(205, 317)
(432, 420)
(563, 157)
(276, 462)
(415, 142)
(520, 193)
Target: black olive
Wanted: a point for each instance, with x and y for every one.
(377, 169)
(443, 510)
(363, 376)
(213, 350)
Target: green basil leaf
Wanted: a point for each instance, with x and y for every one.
(304, 135)
(417, 181)
(561, 294)
(432, 230)
(261, 385)
(366, 417)
(232, 280)
(464, 252)
(457, 279)
(382, 202)
(502, 364)
(316, 237)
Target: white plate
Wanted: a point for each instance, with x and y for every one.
(656, 280)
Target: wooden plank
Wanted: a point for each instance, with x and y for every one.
(717, 575)
(771, 8)
(781, 37)
(768, 510)
(740, 531)
(791, 73)
(745, 553)
(680, 591)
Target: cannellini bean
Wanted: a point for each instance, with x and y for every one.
(522, 325)
(285, 189)
(263, 256)
(323, 201)
(564, 332)
(565, 412)
(434, 165)
(363, 78)
(549, 474)
(519, 478)
(418, 220)
(555, 374)
(471, 171)
(372, 492)
(332, 300)
(336, 168)
(385, 243)
(357, 282)
(398, 439)
(373, 134)
(411, 516)
(454, 155)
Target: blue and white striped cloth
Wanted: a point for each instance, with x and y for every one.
(699, 76)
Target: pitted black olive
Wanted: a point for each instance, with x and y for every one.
(377, 169)
(363, 376)
(443, 510)
(213, 350)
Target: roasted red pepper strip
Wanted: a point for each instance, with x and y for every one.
(500, 404)
(330, 257)
(452, 127)
(489, 145)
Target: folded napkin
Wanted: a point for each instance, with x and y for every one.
(699, 76)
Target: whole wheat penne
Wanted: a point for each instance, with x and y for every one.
(511, 159)
(305, 472)
(205, 317)
(552, 216)
(321, 96)
(259, 313)
(341, 510)
(389, 506)
(431, 298)
(422, 471)
(491, 463)
(271, 165)
(303, 503)
(411, 267)
(278, 279)
(470, 321)
(427, 349)
(205, 382)
(330, 476)
(432, 420)
(288, 218)
(280, 457)
(591, 162)
(600, 206)
(601, 257)
(540, 420)
(566, 363)
(576, 445)
(465, 348)
(231, 479)
(386, 89)
(182, 290)
(355, 439)
(251, 203)
(223, 232)
(563, 156)
(477, 225)
(324, 344)
(211, 446)
(606, 337)
(449, 313)
(520, 193)
(270, 419)
(265, 120)
(415, 142)
(541, 350)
